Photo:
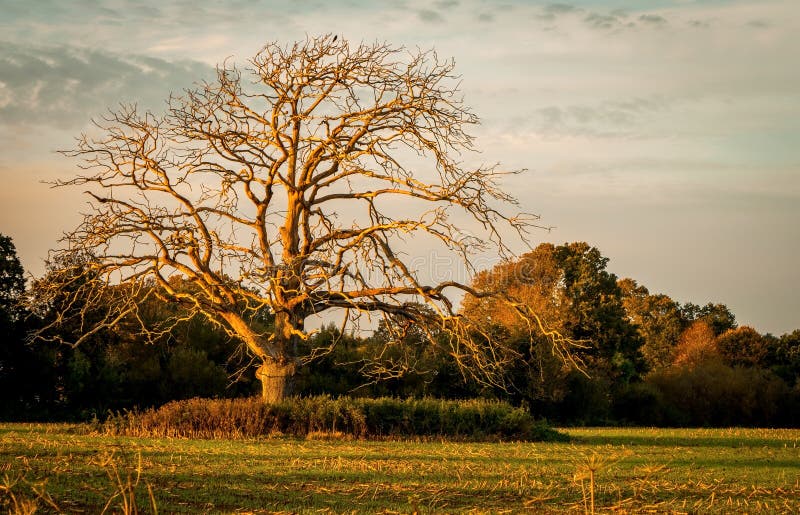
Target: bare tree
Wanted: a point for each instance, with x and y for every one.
(291, 187)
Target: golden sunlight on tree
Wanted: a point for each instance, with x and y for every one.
(290, 188)
(535, 283)
(697, 345)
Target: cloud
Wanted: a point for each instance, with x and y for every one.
(560, 9)
(552, 11)
(66, 86)
(430, 16)
(759, 24)
(606, 21)
(612, 118)
(653, 19)
(447, 4)
(602, 20)
(703, 24)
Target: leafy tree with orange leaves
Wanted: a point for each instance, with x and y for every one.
(697, 345)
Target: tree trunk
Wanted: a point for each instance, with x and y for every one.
(278, 353)
(276, 380)
(276, 374)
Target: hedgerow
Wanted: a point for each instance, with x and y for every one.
(359, 418)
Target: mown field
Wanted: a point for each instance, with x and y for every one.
(59, 468)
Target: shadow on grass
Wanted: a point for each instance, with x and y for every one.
(686, 440)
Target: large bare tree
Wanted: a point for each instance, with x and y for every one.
(294, 186)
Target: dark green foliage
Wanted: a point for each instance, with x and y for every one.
(336, 371)
(347, 366)
(118, 367)
(22, 369)
(12, 280)
(587, 401)
(745, 347)
(639, 403)
(327, 416)
(718, 316)
(785, 357)
(711, 394)
(657, 319)
(597, 312)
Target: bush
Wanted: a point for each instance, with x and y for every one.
(639, 404)
(353, 417)
(715, 394)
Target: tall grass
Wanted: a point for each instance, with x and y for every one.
(323, 416)
(20, 496)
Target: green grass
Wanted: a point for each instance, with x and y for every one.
(633, 470)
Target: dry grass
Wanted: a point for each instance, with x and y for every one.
(600, 471)
(16, 494)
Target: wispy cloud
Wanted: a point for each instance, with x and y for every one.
(613, 118)
(552, 11)
(430, 16)
(65, 86)
(653, 19)
(606, 21)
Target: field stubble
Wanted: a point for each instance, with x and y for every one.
(57, 468)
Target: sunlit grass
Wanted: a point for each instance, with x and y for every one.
(661, 470)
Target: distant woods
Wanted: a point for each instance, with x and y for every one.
(640, 357)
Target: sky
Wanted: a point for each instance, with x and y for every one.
(666, 133)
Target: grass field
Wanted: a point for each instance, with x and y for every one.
(58, 468)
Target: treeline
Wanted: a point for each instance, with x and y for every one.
(636, 357)
(645, 359)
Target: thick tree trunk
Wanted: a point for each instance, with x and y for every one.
(278, 353)
(276, 380)
(276, 374)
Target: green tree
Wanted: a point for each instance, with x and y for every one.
(406, 359)
(717, 316)
(12, 280)
(535, 280)
(19, 367)
(744, 346)
(786, 360)
(596, 311)
(336, 367)
(569, 287)
(657, 319)
(118, 366)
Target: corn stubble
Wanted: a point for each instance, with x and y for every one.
(599, 471)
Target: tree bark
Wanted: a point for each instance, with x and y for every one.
(276, 374)
(276, 380)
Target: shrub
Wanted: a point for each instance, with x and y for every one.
(715, 394)
(352, 417)
(639, 404)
